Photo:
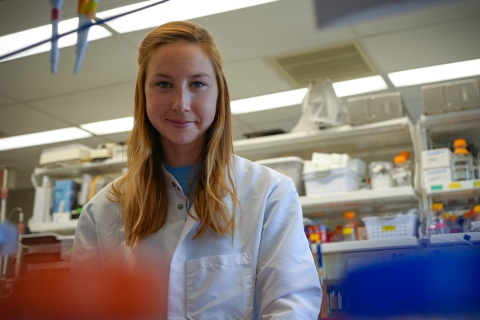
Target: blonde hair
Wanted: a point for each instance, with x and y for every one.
(142, 191)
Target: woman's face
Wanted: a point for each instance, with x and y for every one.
(181, 95)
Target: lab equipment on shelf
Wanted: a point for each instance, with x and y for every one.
(289, 166)
(332, 173)
(438, 223)
(401, 173)
(392, 226)
(350, 227)
(380, 177)
(462, 162)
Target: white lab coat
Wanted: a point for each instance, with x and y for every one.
(267, 272)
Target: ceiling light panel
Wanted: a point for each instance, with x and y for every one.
(109, 126)
(176, 10)
(19, 40)
(41, 138)
(435, 73)
(359, 86)
(269, 101)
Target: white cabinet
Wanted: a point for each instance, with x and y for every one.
(440, 130)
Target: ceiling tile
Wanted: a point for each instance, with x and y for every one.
(426, 46)
(106, 61)
(91, 105)
(19, 119)
(4, 101)
(434, 14)
(33, 14)
(253, 78)
(270, 29)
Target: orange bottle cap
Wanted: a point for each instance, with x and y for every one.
(349, 215)
(460, 143)
(399, 159)
(453, 217)
(437, 206)
(476, 209)
(406, 154)
(461, 151)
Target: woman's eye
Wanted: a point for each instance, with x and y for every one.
(163, 84)
(198, 84)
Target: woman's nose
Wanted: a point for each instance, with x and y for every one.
(181, 100)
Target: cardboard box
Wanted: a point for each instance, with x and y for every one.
(437, 176)
(436, 158)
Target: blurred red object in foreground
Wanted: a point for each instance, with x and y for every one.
(112, 295)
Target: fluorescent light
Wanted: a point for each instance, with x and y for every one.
(175, 10)
(435, 73)
(109, 126)
(359, 86)
(269, 101)
(16, 41)
(39, 138)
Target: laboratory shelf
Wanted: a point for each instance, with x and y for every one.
(358, 199)
(68, 171)
(375, 139)
(454, 238)
(369, 245)
(70, 225)
(455, 190)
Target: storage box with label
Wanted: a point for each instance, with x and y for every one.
(436, 158)
(375, 108)
(450, 96)
(438, 176)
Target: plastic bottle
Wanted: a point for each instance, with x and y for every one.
(467, 219)
(462, 162)
(401, 174)
(453, 225)
(408, 163)
(439, 219)
(475, 224)
(350, 227)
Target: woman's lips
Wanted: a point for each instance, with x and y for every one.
(180, 123)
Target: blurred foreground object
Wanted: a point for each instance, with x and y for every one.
(8, 238)
(442, 283)
(112, 295)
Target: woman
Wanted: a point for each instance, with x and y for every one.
(222, 235)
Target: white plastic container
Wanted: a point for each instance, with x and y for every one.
(328, 161)
(380, 177)
(396, 226)
(289, 166)
(331, 181)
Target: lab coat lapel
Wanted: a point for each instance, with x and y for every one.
(189, 224)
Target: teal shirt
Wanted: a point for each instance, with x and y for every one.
(182, 175)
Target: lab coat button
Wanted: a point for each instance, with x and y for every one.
(180, 207)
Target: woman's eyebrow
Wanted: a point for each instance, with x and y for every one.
(199, 75)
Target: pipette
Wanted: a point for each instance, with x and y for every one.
(86, 12)
(55, 51)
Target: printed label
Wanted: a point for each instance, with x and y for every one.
(476, 183)
(455, 185)
(389, 228)
(441, 225)
(347, 230)
(314, 237)
(433, 188)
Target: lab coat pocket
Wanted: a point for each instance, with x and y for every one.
(219, 287)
